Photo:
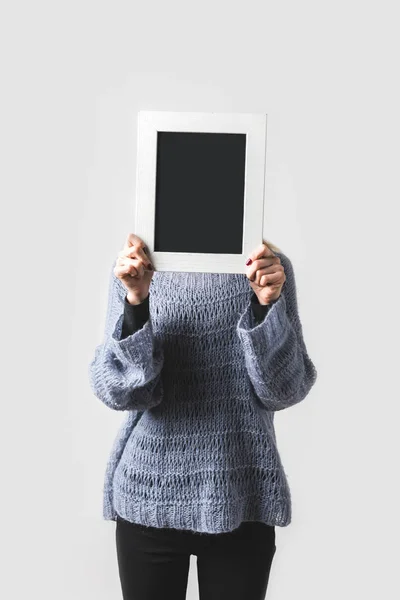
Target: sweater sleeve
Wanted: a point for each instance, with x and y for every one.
(276, 356)
(125, 372)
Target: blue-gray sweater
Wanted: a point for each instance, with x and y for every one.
(200, 367)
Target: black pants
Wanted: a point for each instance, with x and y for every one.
(154, 563)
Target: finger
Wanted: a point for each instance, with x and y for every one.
(139, 254)
(261, 251)
(134, 241)
(130, 266)
(261, 273)
(264, 279)
(123, 270)
(134, 248)
(272, 263)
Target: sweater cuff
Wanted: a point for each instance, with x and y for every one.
(270, 332)
(135, 316)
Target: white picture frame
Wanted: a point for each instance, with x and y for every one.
(254, 126)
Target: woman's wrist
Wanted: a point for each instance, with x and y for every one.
(134, 299)
(271, 301)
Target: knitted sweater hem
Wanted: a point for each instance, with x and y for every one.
(201, 517)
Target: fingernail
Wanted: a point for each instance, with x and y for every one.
(249, 262)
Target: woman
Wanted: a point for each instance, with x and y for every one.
(200, 362)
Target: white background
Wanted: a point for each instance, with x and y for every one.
(73, 76)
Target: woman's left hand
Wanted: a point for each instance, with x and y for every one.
(266, 274)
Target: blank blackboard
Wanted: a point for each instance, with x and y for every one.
(199, 203)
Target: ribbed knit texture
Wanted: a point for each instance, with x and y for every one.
(200, 382)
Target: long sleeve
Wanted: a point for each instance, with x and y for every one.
(276, 356)
(259, 311)
(125, 372)
(135, 316)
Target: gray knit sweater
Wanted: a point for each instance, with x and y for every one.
(200, 382)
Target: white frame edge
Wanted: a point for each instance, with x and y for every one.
(255, 128)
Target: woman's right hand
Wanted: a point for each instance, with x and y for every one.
(134, 269)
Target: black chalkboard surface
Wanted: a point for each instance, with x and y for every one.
(200, 190)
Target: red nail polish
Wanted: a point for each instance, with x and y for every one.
(249, 262)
